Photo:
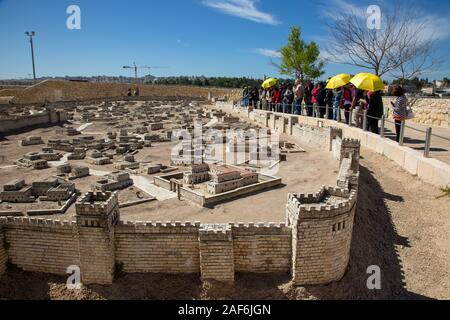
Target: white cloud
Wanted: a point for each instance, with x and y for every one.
(245, 9)
(267, 53)
(335, 8)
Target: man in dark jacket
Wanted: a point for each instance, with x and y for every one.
(375, 112)
(321, 96)
(329, 98)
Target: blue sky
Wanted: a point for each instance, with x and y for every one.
(193, 37)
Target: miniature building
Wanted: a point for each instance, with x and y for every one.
(61, 192)
(225, 178)
(156, 126)
(98, 158)
(198, 174)
(114, 181)
(78, 154)
(79, 172)
(60, 145)
(152, 168)
(50, 190)
(33, 160)
(31, 141)
(63, 169)
(17, 192)
(68, 172)
(69, 131)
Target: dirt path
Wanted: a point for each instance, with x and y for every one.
(400, 226)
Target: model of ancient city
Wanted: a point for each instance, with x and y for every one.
(196, 188)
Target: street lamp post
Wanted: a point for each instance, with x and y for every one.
(31, 35)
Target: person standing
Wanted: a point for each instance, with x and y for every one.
(347, 102)
(321, 100)
(288, 100)
(337, 103)
(399, 108)
(315, 93)
(308, 99)
(329, 99)
(357, 107)
(275, 98)
(299, 93)
(375, 112)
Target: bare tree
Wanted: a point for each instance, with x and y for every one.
(403, 47)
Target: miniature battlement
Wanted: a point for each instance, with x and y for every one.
(262, 228)
(97, 203)
(319, 206)
(158, 227)
(36, 222)
(351, 143)
(215, 232)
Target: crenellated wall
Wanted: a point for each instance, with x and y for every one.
(50, 116)
(216, 253)
(41, 245)
(158, 247)
(265, 248)
(322, 234)
(3, 253)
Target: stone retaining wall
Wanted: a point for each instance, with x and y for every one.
(427, 110)
(54, 91)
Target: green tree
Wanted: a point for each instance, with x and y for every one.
(300, 59)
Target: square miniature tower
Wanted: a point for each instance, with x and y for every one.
(322, 227)
(98, 210)
(97, 214)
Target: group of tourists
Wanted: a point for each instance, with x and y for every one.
(133, 93)
(316, 100)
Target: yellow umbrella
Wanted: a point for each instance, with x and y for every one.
(338, 81)
(269, 83)
(368, 82)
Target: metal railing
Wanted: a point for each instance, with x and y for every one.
(335, 113)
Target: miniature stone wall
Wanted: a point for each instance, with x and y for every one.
(19, 122)
(157, 247)
(216, 253)
(262, 248)
(3, 254)
(314, 245)
(53, 90)
(40, 245)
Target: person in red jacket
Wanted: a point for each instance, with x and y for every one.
(314, 101)
(276, 98)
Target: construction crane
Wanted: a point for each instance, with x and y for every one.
(135, 67)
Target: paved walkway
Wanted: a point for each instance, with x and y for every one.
(144, 184)
(84, 126)
(159, 193)
(440, 148)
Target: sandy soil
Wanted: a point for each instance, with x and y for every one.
(400, 226)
